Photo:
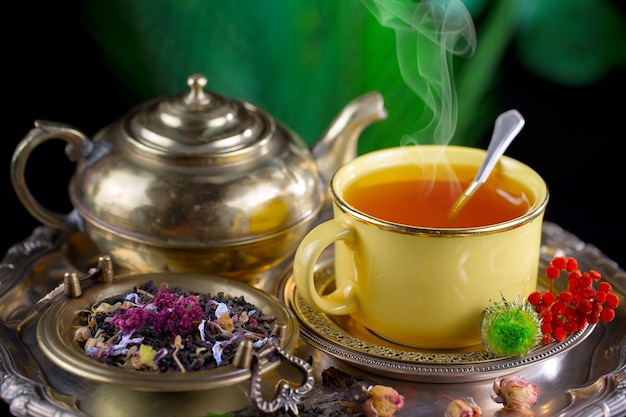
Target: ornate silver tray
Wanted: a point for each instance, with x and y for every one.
(585, 380)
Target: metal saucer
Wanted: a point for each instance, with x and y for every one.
(351, 342)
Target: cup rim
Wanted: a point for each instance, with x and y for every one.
(344, 173)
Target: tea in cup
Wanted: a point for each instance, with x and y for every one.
(403, 268)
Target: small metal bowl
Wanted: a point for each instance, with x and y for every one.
(56, 325)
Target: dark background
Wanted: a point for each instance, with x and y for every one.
(574, 136)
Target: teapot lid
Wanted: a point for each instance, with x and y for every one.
(198, 123)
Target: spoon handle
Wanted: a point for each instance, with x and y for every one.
(506, 128)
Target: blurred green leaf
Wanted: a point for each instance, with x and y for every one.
(303, 60)
(573, 42)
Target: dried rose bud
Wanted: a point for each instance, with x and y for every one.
(463, 407)
(82, 334)
(382, 401)
(515, 392)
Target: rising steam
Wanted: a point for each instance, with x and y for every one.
(429, 33)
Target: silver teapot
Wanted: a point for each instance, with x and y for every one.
(197, 182)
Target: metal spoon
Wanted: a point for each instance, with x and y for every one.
(506, 128)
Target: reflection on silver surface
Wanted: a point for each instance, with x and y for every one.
(587, 380)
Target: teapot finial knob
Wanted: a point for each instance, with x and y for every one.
(197, 95)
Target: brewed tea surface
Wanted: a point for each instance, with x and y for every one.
(403, 195)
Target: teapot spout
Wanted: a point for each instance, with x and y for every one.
(338, 145)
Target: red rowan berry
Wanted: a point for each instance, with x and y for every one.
(548, 298)
(559, 262)
(547, 315)
(546, 328)
(596, 307)
(559, 334)
(556, 322)
(565, 297)
(611, 300)
(534, 298)
(584, 306)
(585, 281)
(572, 264)
(600, 297)
(573, 285)
(558, 308)
(570, 326)
(607, 315)
(595, 275)
(586, 293)
(575, 274)
(552, 272)
(570, 314)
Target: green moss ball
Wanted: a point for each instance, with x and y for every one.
(510, 329)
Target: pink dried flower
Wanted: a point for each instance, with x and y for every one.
(166, 313)
(515, 393)
(463, 407)
(382, 401)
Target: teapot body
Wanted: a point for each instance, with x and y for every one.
(196, 182)
(232, 217)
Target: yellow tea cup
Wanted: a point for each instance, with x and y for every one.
(401, 269)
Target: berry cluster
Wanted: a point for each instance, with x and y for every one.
(571, 310)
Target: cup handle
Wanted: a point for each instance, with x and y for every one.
(341, 301)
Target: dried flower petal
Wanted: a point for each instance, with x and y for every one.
(218, 349)
(107, 308)
(225, 322)
(463, 407)
(146, 355)
(243, 318)
(382, 401)
(515, 392)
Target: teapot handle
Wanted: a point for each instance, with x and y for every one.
(78, 146)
